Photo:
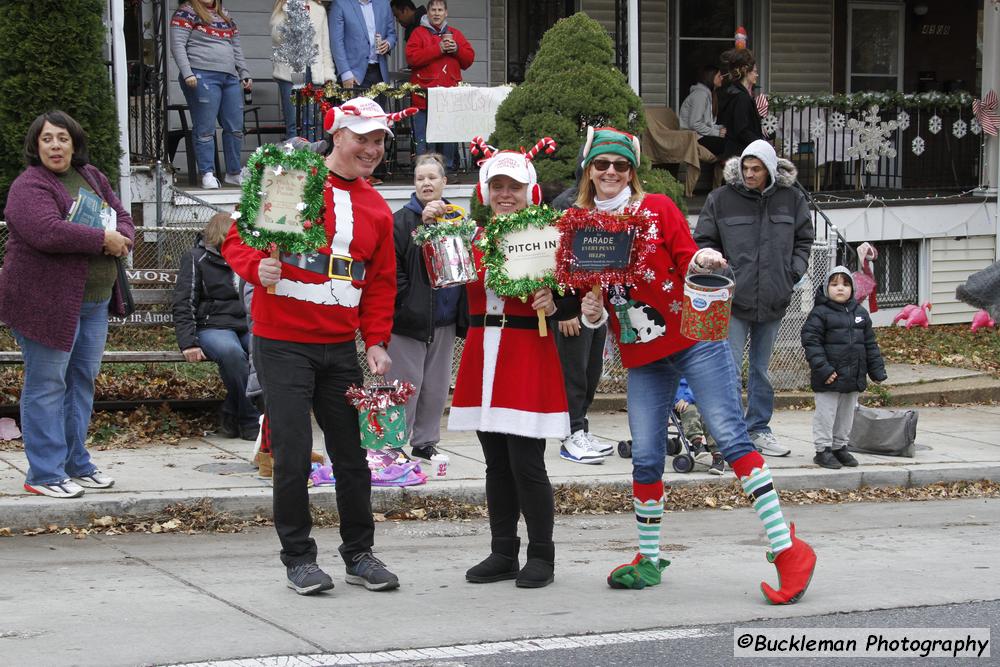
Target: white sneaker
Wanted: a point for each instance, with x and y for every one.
(598, 447)
(95, 480)
(234, 179)
(64, 489)
(209, 181)
(768, 445)
(576, 449)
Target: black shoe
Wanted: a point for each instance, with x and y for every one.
(368, 571)
(424, 452)
(228, 428)
(845, 457)
(308, 579)
(539, 569)
(826, 459)
(502, 564)
(250, 432)
(718, 466)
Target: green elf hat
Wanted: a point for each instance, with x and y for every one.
(602, 140)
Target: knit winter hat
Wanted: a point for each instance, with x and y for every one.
(604, 140)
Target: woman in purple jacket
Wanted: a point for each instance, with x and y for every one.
(58, 284)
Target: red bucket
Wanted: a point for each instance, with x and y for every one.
(708, 300)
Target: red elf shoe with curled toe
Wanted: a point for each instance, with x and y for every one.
(795, 570)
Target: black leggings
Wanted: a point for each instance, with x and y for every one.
(516, 483)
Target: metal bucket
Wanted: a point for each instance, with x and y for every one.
(448, 262)
(708, 301)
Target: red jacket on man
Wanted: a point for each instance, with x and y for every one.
(430, 67)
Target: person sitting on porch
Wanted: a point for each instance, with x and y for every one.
(205, 41)
(408, 16)
(318, 73)
(437, 54)
(737, 109)
(696, 111)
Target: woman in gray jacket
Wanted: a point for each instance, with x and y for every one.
(696, 111)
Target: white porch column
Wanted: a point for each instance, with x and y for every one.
(991, 81)
(120, 68)
(633, 45)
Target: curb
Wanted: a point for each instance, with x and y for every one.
(29, 512)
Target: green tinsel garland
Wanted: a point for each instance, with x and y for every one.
(272, 156)
(494, 259)
(464, 228)
(863, 100)
(335, 93)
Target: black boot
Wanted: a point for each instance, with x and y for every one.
(826, 459)
(538, 569)
(845, 457)
(500, 565)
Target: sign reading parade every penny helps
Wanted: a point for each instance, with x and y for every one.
(283, 193)
(598, 249)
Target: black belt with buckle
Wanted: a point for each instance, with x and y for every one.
(504, 321)
(338, 267)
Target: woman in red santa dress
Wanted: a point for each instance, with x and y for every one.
(510, 391)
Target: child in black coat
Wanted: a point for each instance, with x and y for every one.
(842, 352)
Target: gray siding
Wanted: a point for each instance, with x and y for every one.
(801, 46)
(602, 11)
(654, 57)
(952, 262)
(498, 42)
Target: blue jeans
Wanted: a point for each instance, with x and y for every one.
(218, 96)
(58, 398)
(760, 393)
(287, 107)
(711, 375)
(448, 150)
(230, 351)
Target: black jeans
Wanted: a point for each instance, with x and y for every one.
(582, 360)
(517, 483)
(714, 144)
(297, 377)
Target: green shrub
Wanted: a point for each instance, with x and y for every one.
(53, 58)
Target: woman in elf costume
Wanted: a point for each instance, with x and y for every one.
(645, 319)
(509, 390)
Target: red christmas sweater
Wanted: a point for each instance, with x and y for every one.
(310, 307)
(646, 318)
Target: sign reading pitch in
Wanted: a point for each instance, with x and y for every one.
(530, 253)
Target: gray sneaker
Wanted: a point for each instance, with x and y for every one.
(368, 571)
(307, 579)
(768, 445)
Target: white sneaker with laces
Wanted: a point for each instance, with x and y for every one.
(209, 181)
(576, 448)
(64, 489)
(603, 448)
(95, 480)
(768, 445)
(234, 179)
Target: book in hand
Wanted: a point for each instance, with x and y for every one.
(89, 209)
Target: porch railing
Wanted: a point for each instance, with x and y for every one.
(147, 82)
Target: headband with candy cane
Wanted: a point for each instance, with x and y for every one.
(545, 144)
(336, 113)
(479, 148)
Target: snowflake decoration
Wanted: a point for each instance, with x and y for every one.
(288, 148)
(872, 139)
(837, 121)
(817, 128)
(235, 215)
(675, 307)
(959, 128)
(903, 119)
(934, 125)
(918, 146)
(649, 275)
(975, 127)
(769, 123)
(301, 206)
(278, 170)
(668, 285)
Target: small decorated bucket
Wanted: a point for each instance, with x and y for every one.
(381, 413)
(447, 249)
(708, 302)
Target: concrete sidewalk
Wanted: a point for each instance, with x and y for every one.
(953, 443)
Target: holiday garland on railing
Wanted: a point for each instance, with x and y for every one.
(329, 94)
(282, 158)
(863, 100)
(494, 258)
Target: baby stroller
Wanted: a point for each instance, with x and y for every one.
(678, 446)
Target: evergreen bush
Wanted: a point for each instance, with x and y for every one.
(573, 83)
(53, 58)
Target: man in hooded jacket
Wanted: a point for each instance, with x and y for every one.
(760, 221)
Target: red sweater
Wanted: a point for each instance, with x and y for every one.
(311, 308)
(431, 68)
(654, 307)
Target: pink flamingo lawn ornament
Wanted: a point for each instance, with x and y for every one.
(982, 320)
(909, 311)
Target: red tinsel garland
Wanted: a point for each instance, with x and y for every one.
(377, 399)
(640, 223)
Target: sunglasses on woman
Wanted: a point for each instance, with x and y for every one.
(621, 166)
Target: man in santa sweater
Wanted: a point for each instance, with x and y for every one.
(305, 355)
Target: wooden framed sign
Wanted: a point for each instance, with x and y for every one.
(597, 249)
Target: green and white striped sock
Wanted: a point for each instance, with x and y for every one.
(648, 515)
(760, 488)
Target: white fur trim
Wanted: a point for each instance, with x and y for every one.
(587, 144)
(512, 422)
(598, 324)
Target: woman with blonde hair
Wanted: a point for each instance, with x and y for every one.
(205, 42)
(211, 324)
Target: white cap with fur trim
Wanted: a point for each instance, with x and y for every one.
(363, 115)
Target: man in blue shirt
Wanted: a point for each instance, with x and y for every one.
(362, 33)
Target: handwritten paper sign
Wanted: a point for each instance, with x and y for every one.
(462, 112)
(598, 250)
(280, 204)
(531, 253)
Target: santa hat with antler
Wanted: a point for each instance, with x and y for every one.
(515, 164)
(363, 115)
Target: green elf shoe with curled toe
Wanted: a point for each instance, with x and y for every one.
(638, 574)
